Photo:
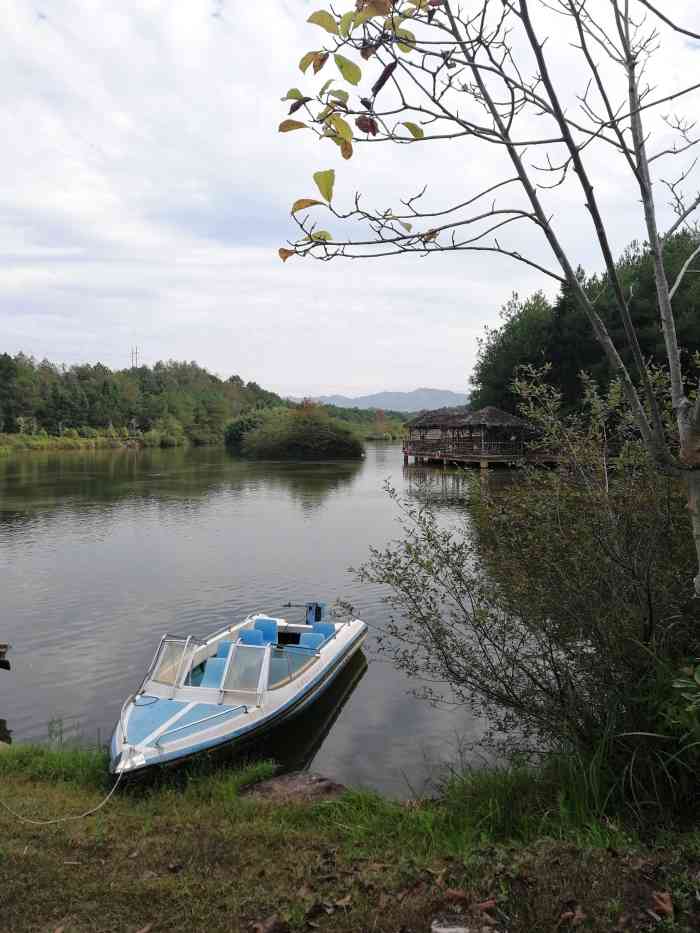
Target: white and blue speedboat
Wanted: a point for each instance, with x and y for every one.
(199, 694)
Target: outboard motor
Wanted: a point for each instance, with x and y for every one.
(315, 612)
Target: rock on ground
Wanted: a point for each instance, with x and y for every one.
(297, 787)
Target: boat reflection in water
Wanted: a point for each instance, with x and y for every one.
(295, 745)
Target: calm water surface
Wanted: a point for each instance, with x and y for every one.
(101, 552)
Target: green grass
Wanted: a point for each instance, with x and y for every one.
(11, 443)
(193, 851)
(84, 767)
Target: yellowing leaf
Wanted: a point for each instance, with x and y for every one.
(341, 127)
(349, 70)
(342, 96)
(324, 19)
(415, 130)
(346, 148)
(346, 22)
(321, 235)
(306, 60)
(284, 254)
(324, 183)
(302, 203)
(286, 126)
(363, 15)
(407, 227)
(409, 40)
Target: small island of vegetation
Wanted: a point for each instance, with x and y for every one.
(306, 433)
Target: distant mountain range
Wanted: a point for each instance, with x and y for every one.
(417, 400)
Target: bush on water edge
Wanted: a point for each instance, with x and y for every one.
(306, 433)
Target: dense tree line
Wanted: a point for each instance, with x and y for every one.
(168, 402)
(537, 331)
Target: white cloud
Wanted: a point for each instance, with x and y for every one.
(147, 189)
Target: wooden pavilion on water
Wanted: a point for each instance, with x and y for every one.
(458, 435)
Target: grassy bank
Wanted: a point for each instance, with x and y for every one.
(13, 443)
(194, 853)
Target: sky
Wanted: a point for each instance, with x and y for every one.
(147, 191)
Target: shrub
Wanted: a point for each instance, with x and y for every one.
(240, 426)
(559, 613)
(301, 434)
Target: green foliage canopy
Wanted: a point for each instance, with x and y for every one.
(169, 401)
(305, 433)
(537, 331)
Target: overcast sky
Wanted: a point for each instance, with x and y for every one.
(147, 191)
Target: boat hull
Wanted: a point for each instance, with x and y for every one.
(241, 733)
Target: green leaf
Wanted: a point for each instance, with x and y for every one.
(409, 40)
(346, 23)
(407, 227)
(349, 70)
(341, 127)
(293, 94)
(324, 183)
(286, 126)
(321, 235)
(306, 60)
(302, 203)
(363, 15)
(415, 130)
(342, 96)
(325, 87)
(325, 20)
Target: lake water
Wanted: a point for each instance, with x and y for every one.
(102, 552)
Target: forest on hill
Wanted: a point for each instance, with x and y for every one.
(170, 402)
(537, 331)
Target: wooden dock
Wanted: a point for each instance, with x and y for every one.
(483, 438)
(481, 455)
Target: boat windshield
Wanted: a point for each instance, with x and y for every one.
(244, 670)
(287, 663)
(173, 660)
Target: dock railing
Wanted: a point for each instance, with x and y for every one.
(463, 449)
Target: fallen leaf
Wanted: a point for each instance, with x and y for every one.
(487, 905)
(146, 929)
(456, 894)
(273, 924)
(344, 901)
(663, 903)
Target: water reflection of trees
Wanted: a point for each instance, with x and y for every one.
(41, 483)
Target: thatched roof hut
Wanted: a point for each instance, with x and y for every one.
(461, 417)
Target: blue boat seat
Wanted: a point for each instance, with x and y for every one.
(327, 629)
(312, 640)
(251, 636)
(268, 627)
(213, 672)
(223, 649)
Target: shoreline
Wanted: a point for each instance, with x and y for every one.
(198, 852)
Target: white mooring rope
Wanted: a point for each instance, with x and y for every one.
(63, 819)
